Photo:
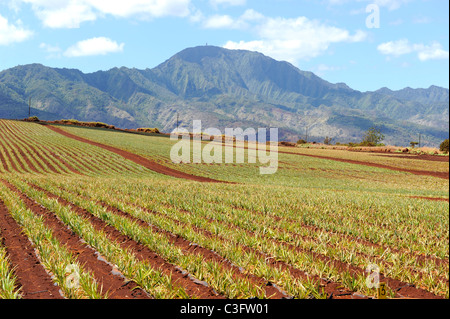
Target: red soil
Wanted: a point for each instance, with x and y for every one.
(424, 157)
(34, 281)
(432, 198)
(104, 274)
(444, 175)
(33, 152)
(206, 254)
(193, 288)
(138, 159)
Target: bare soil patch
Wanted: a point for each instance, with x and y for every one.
(33, 279)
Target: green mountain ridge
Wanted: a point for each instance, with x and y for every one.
(226, 88)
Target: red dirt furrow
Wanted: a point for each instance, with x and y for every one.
(331, 288)
(3, 161)
(207, 254)
(61, 162)
(14, 140)
(431, 198)
(444, 175)
(394, 284)
(43, 159)
(308, 238)
(18, 154)
(408, 289)
(190, 247)
(419, 256)
(180, 279)
(34, 281)
(33, 152)
(14, 167)
(28, 162)
(116, 286)
(138, 159)
(423, 157)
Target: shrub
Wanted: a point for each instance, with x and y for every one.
(444, 146)
(33, 119)
(149, 130)
(366, 143)
(301, 141)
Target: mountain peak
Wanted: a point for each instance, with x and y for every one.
(224, 88)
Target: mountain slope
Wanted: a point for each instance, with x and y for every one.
(225, 88)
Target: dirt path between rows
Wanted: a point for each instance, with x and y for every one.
(190, 247)
(32, 278)
(194, 288)
(138, 159)
(444, 175)
(431, 198)
(105, 274)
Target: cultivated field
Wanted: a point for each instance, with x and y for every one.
(106, 214)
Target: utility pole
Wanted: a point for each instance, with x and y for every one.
(177, 121)
(420, 137)
(307, 130)
(29, 108)
(306, 135)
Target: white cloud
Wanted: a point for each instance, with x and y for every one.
(71, 13)
(251, 15)
(53, 51)
(322, 69)
(432, 52)
(216, 3)
(401, 47)
(396, 48)
(50, 48)
(295, 39)
(10, 33)
(389, 4)
(227, 22)
(151, 8)
(94, 46)
(220, 22)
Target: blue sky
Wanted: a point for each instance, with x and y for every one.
(367, 44)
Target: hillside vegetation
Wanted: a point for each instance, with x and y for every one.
(226, 88)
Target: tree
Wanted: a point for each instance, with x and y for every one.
(413, 144)
(372, 137)
(444, 146)
(327, 141)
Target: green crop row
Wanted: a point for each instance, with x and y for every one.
(229, 244)
(8, 282)
(59, 151)
(154, 281)
(403, 266)
(53, 255)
